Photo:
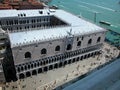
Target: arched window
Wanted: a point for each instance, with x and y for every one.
(50, 67)
(28, 66)
(57, 48)
(79, 43)
(34, 72)
(21, 76)
(65, 63)
(40, 70)
(43, 51)
(69, 47)
(89, 41)
(28, 74)
(18, 69)
(56, 65)
(98, 40)
(45, 68)
(22, 68)
(27, 55)
(60, 64)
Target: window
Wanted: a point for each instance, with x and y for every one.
(89, 41)
(40, 12)
(32, 20)
(27, 55)
(43, 51)
(40, 19)
(77, 38)
(28, 27)
(37, 20)
(20, 28)
(44, 19)
(16, 21)
(34, 72)
(98, 40)
(6, 23)
(28, 74)
(79, 43)
(57, 48)
(69, 47)
(11, 22)
(21, 76)
(21, 15)
(27, 21)
(82, 38)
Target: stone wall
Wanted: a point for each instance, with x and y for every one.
(35, 49)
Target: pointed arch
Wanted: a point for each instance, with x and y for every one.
(57, 48)
(27, 55)
(21, 76)
(98, 39)
(79, 43)
(89, 41)
(43, 51)
(69, 47)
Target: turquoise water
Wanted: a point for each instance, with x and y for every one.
(95, 11)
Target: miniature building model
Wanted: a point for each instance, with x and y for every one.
(45, 39)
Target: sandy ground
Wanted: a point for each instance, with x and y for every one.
(53, 78)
